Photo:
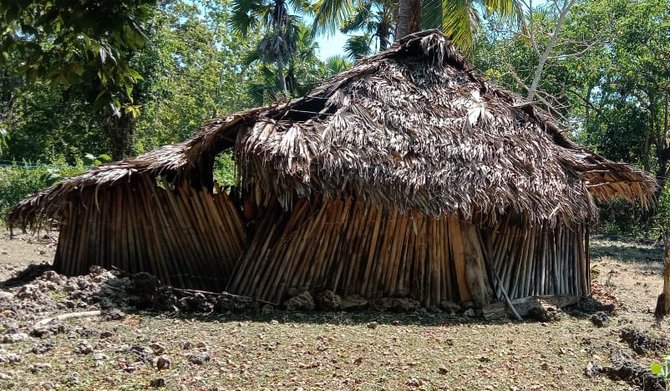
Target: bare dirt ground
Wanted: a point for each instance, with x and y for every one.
(194, 345)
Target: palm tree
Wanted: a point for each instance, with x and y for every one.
(278, 43)
(459, 19)
(302, 71)
(375, 19)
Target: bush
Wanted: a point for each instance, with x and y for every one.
(18, 181)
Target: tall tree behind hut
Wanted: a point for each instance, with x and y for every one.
(280, 30)
(370, 24)
(71, 42)
(459, 19)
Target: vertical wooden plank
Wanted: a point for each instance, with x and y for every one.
(458, 252)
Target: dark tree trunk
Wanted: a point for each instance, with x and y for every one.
(663, 149)
(409, 17)
(119, 131)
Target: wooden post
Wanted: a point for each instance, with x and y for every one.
(663, 302)
(476, 277)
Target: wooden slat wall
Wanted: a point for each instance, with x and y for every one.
(353, 248)
(532, 260)
(195, 239)
(185, 237)
(350, 248)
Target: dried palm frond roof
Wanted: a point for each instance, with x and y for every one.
(413, 127)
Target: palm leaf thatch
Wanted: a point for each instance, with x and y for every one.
(414, 127)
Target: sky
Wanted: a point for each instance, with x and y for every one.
(331, 45)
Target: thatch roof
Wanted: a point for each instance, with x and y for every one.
(413, 127)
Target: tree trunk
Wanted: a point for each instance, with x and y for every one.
(282, 76)
(550, 47)
(409, 17)
(663, 150)
(663, 302)
(119, 132)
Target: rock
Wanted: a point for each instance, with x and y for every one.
(13, 338)
(414, 382)
(450, 306)
(372, 325)
(41, 348)
(328, 301)
(83, 348)
(469, 313)
(600, 319)
(6, 295)
(199, 358)
(641, 342)
(635, 375)
(398, 304)
(188, 345)
(10, 358)
(163, 362)
(72, 379)
(267, 309)
(157, 383)
(157, 348)
(301, 302)
(442, 370)
(353, 303)
(39, 367)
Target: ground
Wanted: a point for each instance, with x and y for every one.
(276, 349)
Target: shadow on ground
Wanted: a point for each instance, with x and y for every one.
(648, 257)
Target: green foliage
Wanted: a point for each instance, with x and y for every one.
(606, 78)
(20, 180)
(67, 41)
(662, 369)
(52, 124)
(225, 173)
(192, 73)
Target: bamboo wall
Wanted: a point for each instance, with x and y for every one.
(197, 239)
(185, 237)
(354, 249)
(532, 260)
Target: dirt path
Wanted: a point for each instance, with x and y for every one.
(275, 349)
(24, 250)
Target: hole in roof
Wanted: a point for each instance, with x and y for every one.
(224, 172)
(309, 108)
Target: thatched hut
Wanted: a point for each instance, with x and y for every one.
(407, 176)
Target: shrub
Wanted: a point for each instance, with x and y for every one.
(18, 181)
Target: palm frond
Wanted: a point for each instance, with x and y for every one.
(511, 10)
(362, 14)
(330, 14)
(460, 22)
(358, 46)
